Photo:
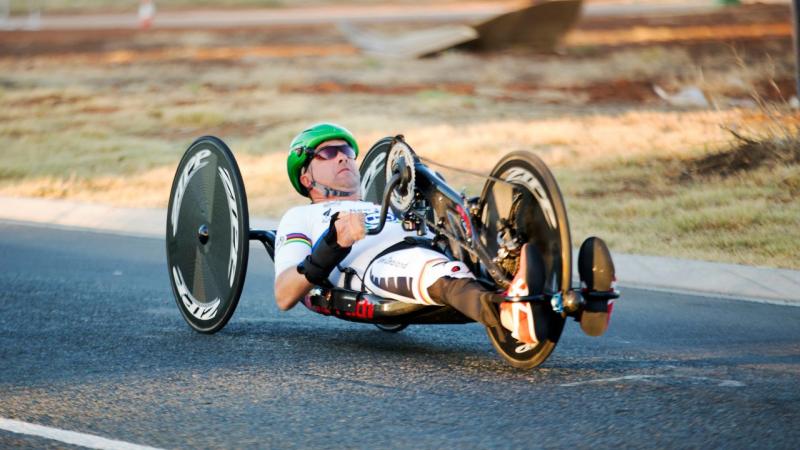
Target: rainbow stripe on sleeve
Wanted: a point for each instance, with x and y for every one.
(298, 237)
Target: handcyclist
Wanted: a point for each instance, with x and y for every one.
(325, 244)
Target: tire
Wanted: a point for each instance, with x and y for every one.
(535, 209)
(391, 328)
(207, 235)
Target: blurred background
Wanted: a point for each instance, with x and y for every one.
(671, 126)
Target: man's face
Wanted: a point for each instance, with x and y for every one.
(339, 172)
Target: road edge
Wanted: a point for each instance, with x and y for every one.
(682, 276)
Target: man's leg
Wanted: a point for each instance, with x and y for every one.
(468, 297)
(422, 275)
(407, 273)
(505, 310)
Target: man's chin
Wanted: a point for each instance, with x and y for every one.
(350, 183)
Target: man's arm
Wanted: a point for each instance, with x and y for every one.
(291, 286)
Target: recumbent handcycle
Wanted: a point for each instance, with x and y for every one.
(208, 234)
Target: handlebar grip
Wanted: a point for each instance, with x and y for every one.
(393, 182)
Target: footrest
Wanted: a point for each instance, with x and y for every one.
(596, 316)
(523, 298)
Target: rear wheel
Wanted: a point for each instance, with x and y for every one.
(527, 208)
(207, 235)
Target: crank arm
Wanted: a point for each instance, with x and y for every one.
(476, 250)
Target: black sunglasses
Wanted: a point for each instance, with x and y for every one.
(330, 152)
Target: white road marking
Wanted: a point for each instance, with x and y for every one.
(722, 383)
(68, 437)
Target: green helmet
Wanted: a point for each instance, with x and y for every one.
(309, 139)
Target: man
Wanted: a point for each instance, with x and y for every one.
(315, 242)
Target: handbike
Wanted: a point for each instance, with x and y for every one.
(208, 231)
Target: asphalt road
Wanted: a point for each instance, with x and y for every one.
(91, 341)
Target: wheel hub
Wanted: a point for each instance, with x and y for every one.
(202, 234)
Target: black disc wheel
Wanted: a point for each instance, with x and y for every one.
(392, 328)
(527, 208)
(207, 235)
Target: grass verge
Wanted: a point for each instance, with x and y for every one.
(650, 178)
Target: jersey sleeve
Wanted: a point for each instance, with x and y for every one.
(292, 240)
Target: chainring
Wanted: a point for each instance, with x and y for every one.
(401, 199)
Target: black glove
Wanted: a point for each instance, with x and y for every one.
(326, 255)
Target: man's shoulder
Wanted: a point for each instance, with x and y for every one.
(323, 211)
(306, 212)
(295, 216)
(299, 209)
(326, 207)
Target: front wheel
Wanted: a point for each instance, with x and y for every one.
(527, 207)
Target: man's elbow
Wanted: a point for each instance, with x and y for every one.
(284, 306)
(284, 303)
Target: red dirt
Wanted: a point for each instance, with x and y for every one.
(48, 100)
(332, 87)
(620, 90)
(99, 109)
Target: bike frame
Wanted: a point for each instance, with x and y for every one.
(458, 220)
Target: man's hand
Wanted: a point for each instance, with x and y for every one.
(350, 229)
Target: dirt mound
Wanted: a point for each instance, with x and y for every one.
(739, 15)
(779, 90)
(746, 156)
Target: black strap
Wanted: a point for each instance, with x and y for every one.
(349, 273)
(329, 191)
(325, 256)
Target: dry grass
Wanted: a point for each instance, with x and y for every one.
(750, 218)
(95, 128)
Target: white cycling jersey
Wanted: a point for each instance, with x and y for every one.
(403, 275)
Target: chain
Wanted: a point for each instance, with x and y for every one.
(502, 279)
(467, 171)
(495, 270)
(441, 230)
(401, 138)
